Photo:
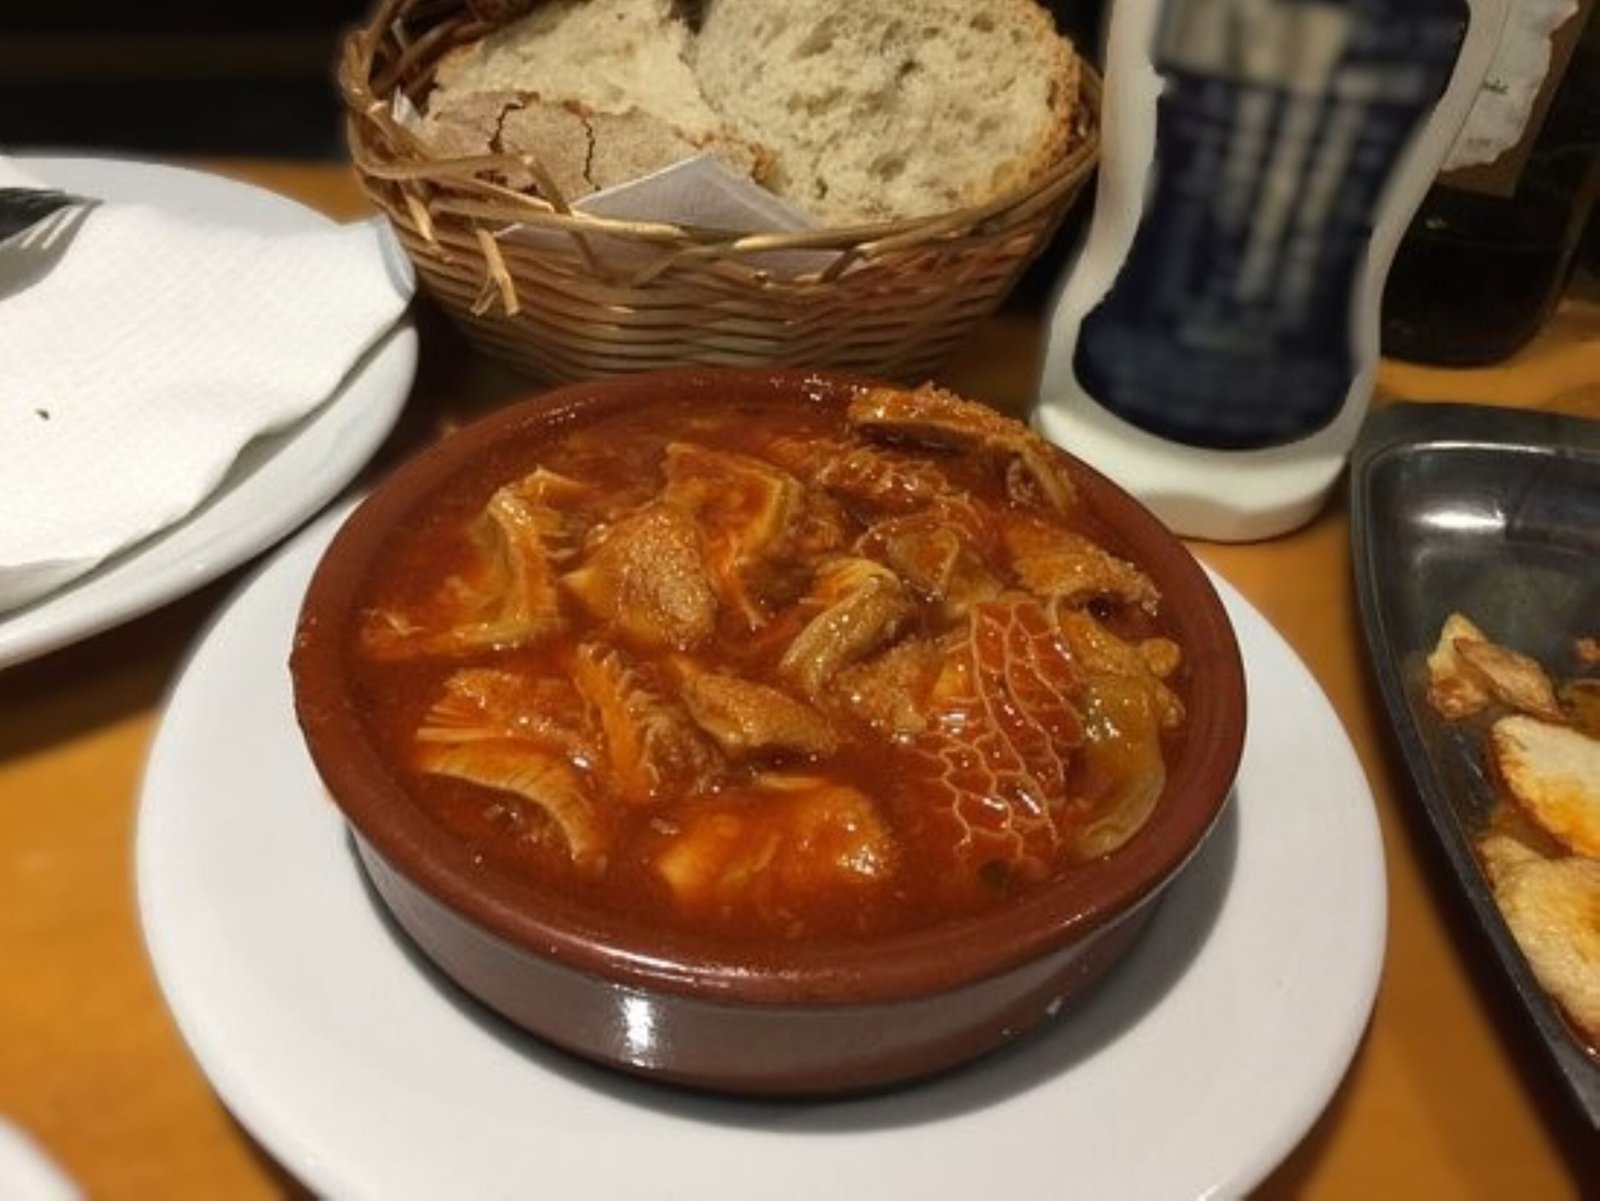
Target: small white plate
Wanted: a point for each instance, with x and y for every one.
(277, 482)
(1192, 1071)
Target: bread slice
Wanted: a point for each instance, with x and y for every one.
(857, 113)
(598, 91)
(467, 125)
(580, 151)
(882, 111)
(608, 56)
(1552, 772)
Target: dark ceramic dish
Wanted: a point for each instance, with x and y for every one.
(790, 1020)
(1495, 513)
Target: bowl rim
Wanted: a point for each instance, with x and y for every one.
(538, 920)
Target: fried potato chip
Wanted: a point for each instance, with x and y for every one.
(1454, 689)
(1553, 909)
(1466, 671)
(1503, 854)
(1511, 677)
(1552, 773)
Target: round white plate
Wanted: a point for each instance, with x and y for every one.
(277, 482)
(1195, 1068)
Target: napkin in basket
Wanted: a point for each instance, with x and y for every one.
(132, 375)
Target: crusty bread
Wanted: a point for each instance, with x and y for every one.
(609, 56)
(466, 124)
(856, 113)
(882, 111)
(597, 90)
(580, 151)
(1552, 772)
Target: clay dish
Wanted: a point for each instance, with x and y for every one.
(785, 1020)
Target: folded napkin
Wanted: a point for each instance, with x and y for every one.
(161, 344)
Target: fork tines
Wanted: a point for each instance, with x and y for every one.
(22, 208)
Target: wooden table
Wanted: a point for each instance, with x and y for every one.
(1447, 1095)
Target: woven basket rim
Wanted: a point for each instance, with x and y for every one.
(385, 152)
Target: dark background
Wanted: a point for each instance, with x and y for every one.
(175, 78)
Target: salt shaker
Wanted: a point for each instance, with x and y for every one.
(1214, 344)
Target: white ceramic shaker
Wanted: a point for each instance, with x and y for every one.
(1214, 344)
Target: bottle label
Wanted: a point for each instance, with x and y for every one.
(1279, 123)
(1495, 142)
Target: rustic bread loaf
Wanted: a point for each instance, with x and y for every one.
(880, 111)
(598, 91)
(856, 113)
(608, 56)
(581, 150)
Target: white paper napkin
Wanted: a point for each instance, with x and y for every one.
(133, 374)
(705, 191)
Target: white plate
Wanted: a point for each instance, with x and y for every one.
(277, 482)
(1194, 1069)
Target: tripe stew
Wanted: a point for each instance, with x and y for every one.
(773, 670)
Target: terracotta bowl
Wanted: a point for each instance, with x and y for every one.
(790, 1021)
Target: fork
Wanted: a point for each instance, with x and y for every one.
(36, 226)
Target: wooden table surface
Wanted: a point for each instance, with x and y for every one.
(1447, 1095)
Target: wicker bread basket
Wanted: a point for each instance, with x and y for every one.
(565, 304)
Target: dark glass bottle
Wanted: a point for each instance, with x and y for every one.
(1489, 251)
